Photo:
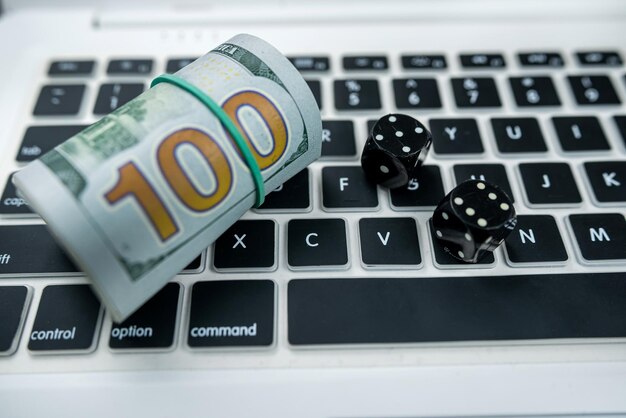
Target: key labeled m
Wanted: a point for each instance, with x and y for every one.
(599, 234)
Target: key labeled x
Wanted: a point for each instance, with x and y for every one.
(248, 244)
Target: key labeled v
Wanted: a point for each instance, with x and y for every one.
(385, 239)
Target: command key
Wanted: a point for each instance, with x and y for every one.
(232, 313)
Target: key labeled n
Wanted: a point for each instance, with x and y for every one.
(530, 236)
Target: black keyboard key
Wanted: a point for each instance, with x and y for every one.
(424, 62)
(30, 249)
(14, 301)
(231, 314)
(355, 94)
(40, 139)
(475, 92)
(151, 326)
(494, 173)
(11, 203)
(593, 90)
(59, 99)
(608, 180)
(389, 241)
(580, 133)
(601, 236)
(483, 61)
(535, 239)
(410, 310)
(456, 136)
(292, 194)
(416, 93)
(130, 67)
(68, 318)
(113, 96)
(541, 59)
(71, 68)
(176, 64)
(195, 265)
(599, 58)
(362, 62)
(445, 260)
(534, 91)
(338, 138)
(316, 89)
(549, 183)
(518, 135)
(620, 121)
(423, 191)
(247, 244)
(317, 243)
(347, 187)
(310, 63)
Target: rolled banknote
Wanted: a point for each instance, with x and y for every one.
(139, 194)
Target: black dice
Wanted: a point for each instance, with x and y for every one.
(395, 150)
(473, 219)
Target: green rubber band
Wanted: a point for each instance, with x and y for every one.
(257, 178)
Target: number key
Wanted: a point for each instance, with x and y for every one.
(534, 91)
(411, 93)
(353, 94)
(475, 92)
(113, 96)
(59, 99)
(593, 90)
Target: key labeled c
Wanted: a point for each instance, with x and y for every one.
(308, 240)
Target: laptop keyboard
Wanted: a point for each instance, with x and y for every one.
(349, 262)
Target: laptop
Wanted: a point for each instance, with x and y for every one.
(335, 299)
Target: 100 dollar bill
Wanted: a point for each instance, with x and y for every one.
(136, 196)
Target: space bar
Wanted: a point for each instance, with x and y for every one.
(413, 310)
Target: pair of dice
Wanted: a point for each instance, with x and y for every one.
(470, 221)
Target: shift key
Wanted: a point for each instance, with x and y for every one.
(232, 313)
(31, 249)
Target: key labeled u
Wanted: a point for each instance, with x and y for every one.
(513, 132)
